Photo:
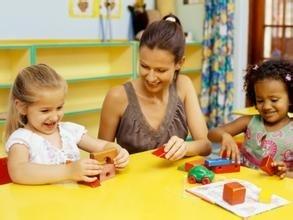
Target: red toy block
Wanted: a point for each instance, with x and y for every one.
(229, 168)
(4, 175)
(93, 184)
(266, 165)
(190, 164)
(234, 193)
(159, 152)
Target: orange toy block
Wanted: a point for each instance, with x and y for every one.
(266, 166)
(4, 175)
(106, 156)
(234, 193)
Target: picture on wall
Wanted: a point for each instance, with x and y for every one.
(94, 8)
(189, 2)
(83, 8)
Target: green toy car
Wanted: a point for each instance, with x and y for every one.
(200, 174)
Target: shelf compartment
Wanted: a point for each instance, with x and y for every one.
(12, 60)
(4, 94)
(87, 61)
(193, 56)
(90, 94)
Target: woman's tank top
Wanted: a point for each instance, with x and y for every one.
(134, 132)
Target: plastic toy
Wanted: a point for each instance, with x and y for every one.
(234, 193)
(264, 196)
(190, 164)
(4, 175)
(159, 152)
(266, 165)
(200, 174)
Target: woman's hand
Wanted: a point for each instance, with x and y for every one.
(281, 168)
(230, 147)
(84, 170)
(176, 148)
(122, 158)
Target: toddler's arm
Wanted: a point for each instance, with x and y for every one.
(91, 144)
(24, 172)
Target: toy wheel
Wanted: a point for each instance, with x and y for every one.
(205, 180)
(191, 179)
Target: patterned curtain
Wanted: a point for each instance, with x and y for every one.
(217, 77)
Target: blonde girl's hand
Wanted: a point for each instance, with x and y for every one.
(281, 168)
(84, 170)
(176, 148)
(230, 147)
(122, 158)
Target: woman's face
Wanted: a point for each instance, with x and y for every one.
(156, 68)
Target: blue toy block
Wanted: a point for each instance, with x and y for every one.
(217, 162)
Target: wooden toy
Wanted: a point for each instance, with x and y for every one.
(229, 168)
(234, 193)
(216, 162)
(266, 165)
(4, 175)
(105, 158)
(159, 152)
(222, 165)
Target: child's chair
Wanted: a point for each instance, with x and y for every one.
(4, 176)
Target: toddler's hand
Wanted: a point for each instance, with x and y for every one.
(85, 170)
(281, 168)
(122, 158)
(176, 148)
(229, 145)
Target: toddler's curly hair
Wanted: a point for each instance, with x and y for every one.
(276, 69)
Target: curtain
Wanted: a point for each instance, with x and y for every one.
(216, 96)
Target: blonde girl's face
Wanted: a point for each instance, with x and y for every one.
(272, 100)
(44, 114)
(156, 68)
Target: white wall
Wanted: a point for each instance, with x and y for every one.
(192, 17)
(41, 19)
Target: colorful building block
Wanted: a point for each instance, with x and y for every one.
(217, 162)
(108, 172)
(4, 175)
(229, 168)
(234, 193)
(159, 152)
(266, 165)
(106, 156)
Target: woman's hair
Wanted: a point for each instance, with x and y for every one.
(166, 34)
(28, 83)
(275, 69)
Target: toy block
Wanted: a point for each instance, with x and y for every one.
(266, 165)
(93, 184)
(107, 172)
(190, 164)
(159, 152)
(229, 168)
(264, 196)
(216, 162)
(4, 175)
(105, 156)
(234, 193)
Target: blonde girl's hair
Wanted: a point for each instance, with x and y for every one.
(28, 83)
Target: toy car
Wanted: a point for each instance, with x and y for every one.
(200, 174)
